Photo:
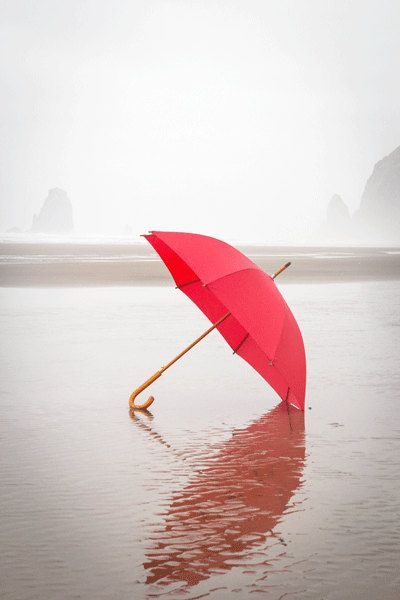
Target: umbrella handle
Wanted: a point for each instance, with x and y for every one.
(158, 374)
(140, 389)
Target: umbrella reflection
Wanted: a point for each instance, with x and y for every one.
(233, 502)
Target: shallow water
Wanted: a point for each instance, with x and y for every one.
(217, 493)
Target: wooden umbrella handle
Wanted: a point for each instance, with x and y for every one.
(158, 374)
(140, 389)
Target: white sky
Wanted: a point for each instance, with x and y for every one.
(233, 118)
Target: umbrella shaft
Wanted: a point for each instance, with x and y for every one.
(196, 341)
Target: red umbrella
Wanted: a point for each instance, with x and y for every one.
(242, 302)
(232, 503)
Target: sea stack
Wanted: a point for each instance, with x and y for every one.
(338, 222)
(55, 216)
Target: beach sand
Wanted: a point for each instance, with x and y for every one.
(216, 493)
(46, 264)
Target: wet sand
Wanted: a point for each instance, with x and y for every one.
(217, 493)
(60, 264)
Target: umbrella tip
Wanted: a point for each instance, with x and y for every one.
(285, 266)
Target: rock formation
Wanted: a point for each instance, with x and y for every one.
(378, 218)
(338, 213)
(55, 216)
(377, 221)
(338, 223)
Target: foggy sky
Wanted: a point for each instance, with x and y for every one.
(234, 118)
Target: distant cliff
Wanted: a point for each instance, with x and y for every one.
(378, 217)
(55, 216)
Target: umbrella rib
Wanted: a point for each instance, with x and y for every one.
(178, 287)
(254, 341)
(241, 343)
(273, 365)
(255, 268)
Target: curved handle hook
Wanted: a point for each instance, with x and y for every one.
(140, 389)
(146, 384)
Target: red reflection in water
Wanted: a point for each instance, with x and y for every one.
(233, 503)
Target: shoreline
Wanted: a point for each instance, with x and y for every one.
(131, 264)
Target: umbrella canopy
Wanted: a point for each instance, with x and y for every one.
(232, 503)
(261, 327)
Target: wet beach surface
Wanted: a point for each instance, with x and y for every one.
(218, 492)
(101, 264)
